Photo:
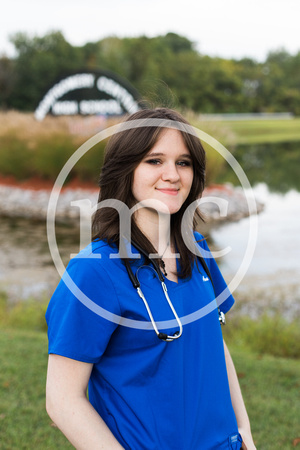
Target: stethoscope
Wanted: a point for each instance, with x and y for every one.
(137, 285)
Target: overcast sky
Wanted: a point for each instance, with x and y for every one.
(226, 28)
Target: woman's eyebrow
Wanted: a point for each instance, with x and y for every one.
(184, 155)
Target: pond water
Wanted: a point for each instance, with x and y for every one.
(26, 267)
(272, 280)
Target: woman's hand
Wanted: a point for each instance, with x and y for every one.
(248, 443)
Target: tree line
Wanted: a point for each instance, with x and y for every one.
(165, 70)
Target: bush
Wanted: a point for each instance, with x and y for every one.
(40, 149)
(28, 315)
(270, 335)
(15, 157)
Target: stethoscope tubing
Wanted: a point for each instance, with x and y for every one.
(137, 285)
(160, 335)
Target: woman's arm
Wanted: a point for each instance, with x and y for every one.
(69, 408)
(238, 403)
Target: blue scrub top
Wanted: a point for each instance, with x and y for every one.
(152, 394)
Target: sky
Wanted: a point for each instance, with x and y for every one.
(224, 28)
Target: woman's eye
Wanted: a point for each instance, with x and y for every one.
(184, 163)
(153, 161)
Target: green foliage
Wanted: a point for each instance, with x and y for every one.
(29, 314)
(270, 335)
(34, 149)
(214, 164)
(15, 158)
(40, 149)
(7, 81)
(88, 167)
(45, 159)
(40, 61)
(199, 82)
(51, 154)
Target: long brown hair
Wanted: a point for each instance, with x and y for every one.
(124, 151)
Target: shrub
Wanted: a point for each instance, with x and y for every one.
(29, 148)
(271, 335)
(29, 314)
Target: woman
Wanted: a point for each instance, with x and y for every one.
(172, 388)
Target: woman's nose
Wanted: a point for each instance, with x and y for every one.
(170, 173)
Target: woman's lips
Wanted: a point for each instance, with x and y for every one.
(169, 191)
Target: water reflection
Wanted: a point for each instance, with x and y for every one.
(26, 267)
(272, 280)
(277, 165)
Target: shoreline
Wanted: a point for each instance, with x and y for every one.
(30, 199)
(27, 270)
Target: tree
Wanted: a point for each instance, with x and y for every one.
(39, 61)
(165, 69)
(7, 81)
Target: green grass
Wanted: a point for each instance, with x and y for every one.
(270, 389)
(270, 384)
(24, 423)
(264, 131)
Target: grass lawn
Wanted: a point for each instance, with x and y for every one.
(264, 131)
(24, 423)
(270, 386)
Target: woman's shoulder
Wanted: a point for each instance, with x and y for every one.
(97, 247)
(200, 240)
(97, 254)
(198, 236)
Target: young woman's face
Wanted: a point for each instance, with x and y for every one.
(165, 174)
